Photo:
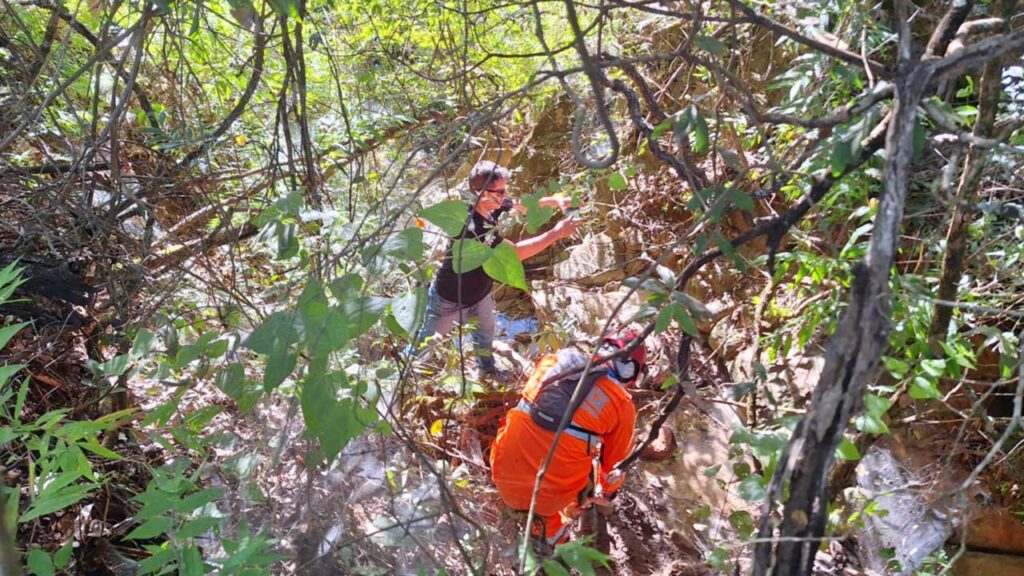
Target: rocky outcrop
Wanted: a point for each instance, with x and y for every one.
(582, 309)
(592, 262)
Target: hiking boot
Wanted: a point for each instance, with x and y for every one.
(498, 376)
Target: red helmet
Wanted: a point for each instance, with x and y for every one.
(627, 369)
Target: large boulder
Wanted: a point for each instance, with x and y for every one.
(996, 530)
(592, 262)
(580, 309)
(913, 524)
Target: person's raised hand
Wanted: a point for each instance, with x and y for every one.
(566, 228)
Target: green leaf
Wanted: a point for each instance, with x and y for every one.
(199, 499)
(192, 562)
(51, 502)
(407, 244)
(6, 372)
(710, 44)
(871, 424)
(450, 216)
(100, 450)
(279, 366)
(686, 321)
(581, 557)
(701, 141)
(665, 317)
(552, 568)
(116, 366)
(536, 215)
(934, 368)
(151, 528)
(660, 129)
(161, 557)
(743, 522)
(143, 343)
(898, 368)
(741, 199)
(276, 333)
(922, 388)
(334, 423)
(847, 450)
(197, 527)
(62, 556)
(8, 332)
(39, 562)
(842, 154)
(617, 181)
(468, 255)
(876, 405)
(920, 134)
(505, 267)
(752, 488)
(408, 311)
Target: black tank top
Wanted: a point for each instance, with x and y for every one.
(476, 284)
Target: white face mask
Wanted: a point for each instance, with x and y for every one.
(625, 370)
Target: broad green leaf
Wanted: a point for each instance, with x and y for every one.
(151, 528)
(407, 244)
(842, 154)
(701, 140)
(324, 328)
(871, 424)
(468, 255)
(743, 522)
(847, 450)
(197, 527)
(362, 313)
(348, 286)
(63, 555)
(920, 134)
(116, 366)
(39, 562)
(275, 334)
(450, 216)
(279, 366)
(143, 343)
(876, 405)
(710, 44)
(536, 215)
(581, 557)
(162, 556)
(741, 199)
(665, 317)
(199, 499)
(751, 488)
(155, 502)
(922, 388)
(898, 368)
(334, 423)
(505, 267)
(934, 368)
(660, 129)
(409, 310)
(552, 568)
(686, 321)
(617, 181)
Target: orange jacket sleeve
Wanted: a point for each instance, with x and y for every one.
(618, 442)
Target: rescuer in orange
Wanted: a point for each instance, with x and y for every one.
(603, 420)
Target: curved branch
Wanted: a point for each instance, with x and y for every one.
(259, 50)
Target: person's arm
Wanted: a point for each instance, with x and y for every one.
(535, 245)
(617, 445)
(562, 203)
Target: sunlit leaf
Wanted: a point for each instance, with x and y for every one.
(505, 267)
(450, 216)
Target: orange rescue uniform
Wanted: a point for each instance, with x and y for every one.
(521, 447)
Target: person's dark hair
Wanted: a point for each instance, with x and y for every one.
(484, 173)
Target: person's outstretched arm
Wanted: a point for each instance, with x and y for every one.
(535, 245)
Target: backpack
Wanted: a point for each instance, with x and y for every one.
(552, 400)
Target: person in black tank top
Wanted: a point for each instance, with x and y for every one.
(456, 297)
